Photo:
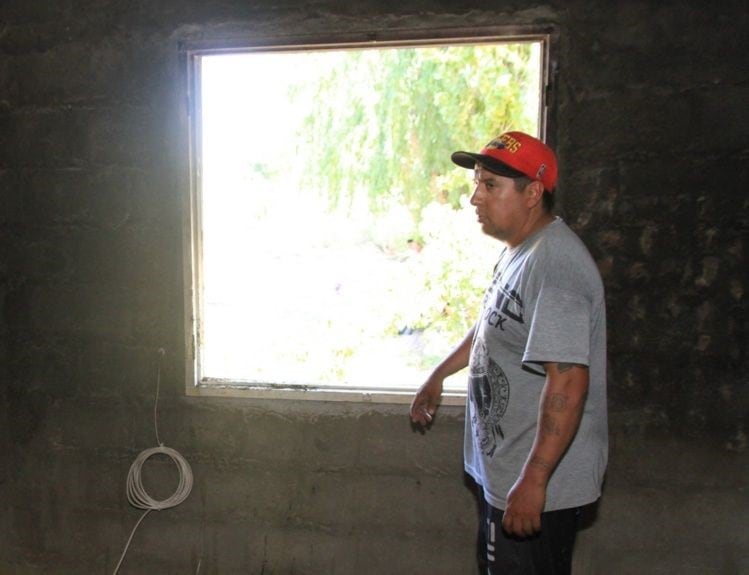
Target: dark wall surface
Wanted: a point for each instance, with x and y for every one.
(650, 120)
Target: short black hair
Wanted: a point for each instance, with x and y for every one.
(548, 201)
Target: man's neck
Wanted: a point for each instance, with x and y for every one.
(533, 225)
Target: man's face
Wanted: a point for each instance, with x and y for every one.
(502, 210)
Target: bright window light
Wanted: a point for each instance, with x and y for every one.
(336, 248)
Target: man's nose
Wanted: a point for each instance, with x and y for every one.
(474, 196)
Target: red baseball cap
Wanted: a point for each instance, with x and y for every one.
(514, 154)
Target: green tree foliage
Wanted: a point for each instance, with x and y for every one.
(381, 126)
(383, 122)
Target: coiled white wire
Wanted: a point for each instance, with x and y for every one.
(136, 493)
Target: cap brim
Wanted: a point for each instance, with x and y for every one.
(468, 160)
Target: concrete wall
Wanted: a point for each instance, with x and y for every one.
(651, 123)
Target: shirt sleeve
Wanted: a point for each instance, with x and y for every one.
(559, 330)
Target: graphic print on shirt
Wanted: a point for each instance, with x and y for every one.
(490, 394)
(508, 300)
(508, 305)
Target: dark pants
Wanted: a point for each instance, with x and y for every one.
(549, 552)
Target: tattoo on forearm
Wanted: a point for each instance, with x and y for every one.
(549, 425)
(536, 461)
(562, 367)
(556, 402)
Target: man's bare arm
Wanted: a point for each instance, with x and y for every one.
(560, 410)
(428, 396)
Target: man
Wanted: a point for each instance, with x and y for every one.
(536, 438)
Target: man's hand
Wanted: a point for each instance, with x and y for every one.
(424, 404)
(525, 502)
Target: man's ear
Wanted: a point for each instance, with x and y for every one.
(535, 191)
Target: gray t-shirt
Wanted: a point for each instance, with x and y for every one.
(545, 304)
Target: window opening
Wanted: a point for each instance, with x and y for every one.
(333, 245)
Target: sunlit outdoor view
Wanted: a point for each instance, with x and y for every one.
(339, 247)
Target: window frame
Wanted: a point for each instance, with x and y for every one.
(190, 57)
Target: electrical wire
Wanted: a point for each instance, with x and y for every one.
(136, 493)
